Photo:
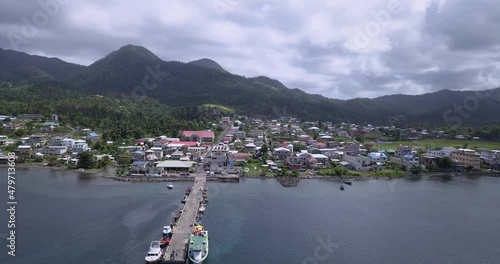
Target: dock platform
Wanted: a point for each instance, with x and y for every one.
(177, 250)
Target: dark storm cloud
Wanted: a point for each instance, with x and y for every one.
(425, 46)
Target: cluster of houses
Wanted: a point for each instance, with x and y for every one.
(164, 154)
(321, 149)
(20, 122)
(319, 144)
(63, 147)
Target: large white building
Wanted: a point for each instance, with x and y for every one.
(467, 157)
(68, 142)
(55, 150)
(442, 152)
(219, 155)
(80, 147)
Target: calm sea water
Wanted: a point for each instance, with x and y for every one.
(68, 217)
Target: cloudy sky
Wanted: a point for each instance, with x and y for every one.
(340, 49)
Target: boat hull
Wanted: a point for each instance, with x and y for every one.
(196, 261)
(198, 246)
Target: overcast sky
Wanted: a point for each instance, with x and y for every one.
(340, 49)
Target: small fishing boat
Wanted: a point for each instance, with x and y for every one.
(177, 216)
(342, 187)
(347, 182)
(164, 242)
(167, 231)
(184, 200)
(170, 186)
(154, 253)
(202, 209)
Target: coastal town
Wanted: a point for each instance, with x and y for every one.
(246, 146)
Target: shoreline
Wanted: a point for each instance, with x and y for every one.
(300, 177)
(368, 177)
(32, 166)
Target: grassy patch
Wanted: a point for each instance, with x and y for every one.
(438, 143)
(220, 107)
(269, 86)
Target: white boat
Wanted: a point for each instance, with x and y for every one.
(170, 186)
(198, 245)
(167, 230)
(154, 253)
(202, 209)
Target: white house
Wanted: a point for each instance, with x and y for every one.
(282, 153)
(80, 147)
(358, 162)
(320, 158)
(68, 142)
(377, 156)
(177, 155)
(158, 151)
(55, 150)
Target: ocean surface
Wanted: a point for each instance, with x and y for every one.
(72, 217)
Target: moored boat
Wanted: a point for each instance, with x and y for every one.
(342, 187)
(164, 242)
(198, 245)
(170, 186)
(155, 253)
(202, 209)
(177, 216)
(347, 182)
(167, 231)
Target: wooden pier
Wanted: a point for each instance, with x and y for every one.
(177, 250)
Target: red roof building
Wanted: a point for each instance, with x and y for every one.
(199, 136)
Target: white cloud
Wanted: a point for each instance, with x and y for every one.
(340, 49)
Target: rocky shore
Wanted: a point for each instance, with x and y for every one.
(288, 181)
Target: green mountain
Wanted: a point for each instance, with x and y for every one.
(208, 63)
(135, 71)
(19, 66)
(268, 81)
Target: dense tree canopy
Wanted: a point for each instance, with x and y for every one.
(115, 118)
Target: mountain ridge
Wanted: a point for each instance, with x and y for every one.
(134, 70)
(208, 63)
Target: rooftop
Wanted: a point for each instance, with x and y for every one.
(175, 164)
(203, 134)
